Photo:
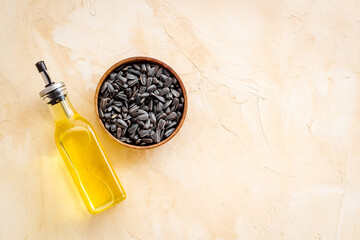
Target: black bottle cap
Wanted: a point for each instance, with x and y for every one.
(41, 67)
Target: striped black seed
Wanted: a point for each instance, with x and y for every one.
(152, 117)
(168, 82)
(147, 124)
(171, 116)
(103, 102)
(161, 116)
(143, 133)
(164, 91)
(121, 123)
(142, 89)
(151, 72)
(158, 72)
(160, 98)
(143, 79)
(118, 133)
(161, 124)
(101, 114)
(151, 88)
(143, 117)
(147, 140)
(136, 66)
(175, 93)
(113, 127)
(104, 87)
(169, 132)
(133, 128)
(149, 81)
(167, 103)
(121, 79)
(134, 72)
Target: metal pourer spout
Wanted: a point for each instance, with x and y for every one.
(41, 67)
(53, 92)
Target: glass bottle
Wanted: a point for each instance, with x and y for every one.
(81, 150)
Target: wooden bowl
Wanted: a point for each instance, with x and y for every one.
(150, 60)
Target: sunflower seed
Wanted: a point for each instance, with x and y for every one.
(151, 105)
(113, 76)
(158, 72)
(147, 140)
(133, 71)
(160, 84)
(142, 89)
(143, 117)
(133, 128)
(137, 67)
(103, 102)
(151, 72)
(155, 80)
(166, 73)
(158, 97)
(161, 116)
(110, 88)
(107, 115)
(130, 76)
(151, 88)
(171, 124)
(113, 127)
(133, 82)
(107, 125)
(175, 93)
(149, 81)
(171, 116)
(167, 103)
(122, 96)
(169, 132)
(163, 77)
(133, 109)
(143, 79)
(161, 124)
(128, 92)
(104, 87)
(121, 123)
(157, 135)
(167, 111)
(168, 82)
(124, 109)
(121, 79)
(143, 133)
(101, 113)
(118, 103)
(143, 67)
(164, 91)
(118, 133)
(152, 117)
(147, 124)
(145, 94)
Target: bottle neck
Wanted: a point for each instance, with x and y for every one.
(62, 110)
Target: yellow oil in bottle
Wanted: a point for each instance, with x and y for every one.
(85, 159)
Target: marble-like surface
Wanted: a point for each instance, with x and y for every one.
(270, 147)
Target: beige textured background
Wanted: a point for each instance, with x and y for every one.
(270, 148)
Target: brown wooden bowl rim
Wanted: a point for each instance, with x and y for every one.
(151, 60)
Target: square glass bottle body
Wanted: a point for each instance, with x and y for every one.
(85, 159)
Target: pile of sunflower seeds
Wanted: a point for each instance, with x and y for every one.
(141, 103)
